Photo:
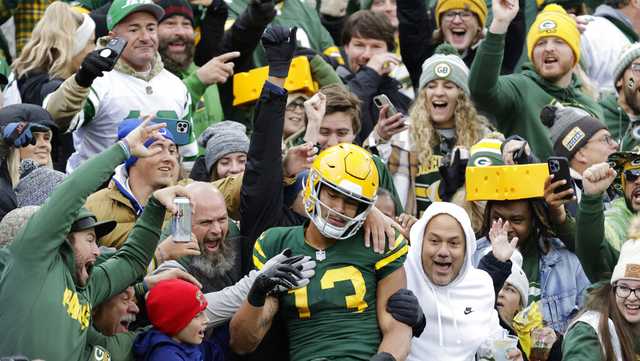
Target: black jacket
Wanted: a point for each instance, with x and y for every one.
(366, 84)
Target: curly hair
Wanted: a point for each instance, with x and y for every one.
(51, 44)
(470, 127)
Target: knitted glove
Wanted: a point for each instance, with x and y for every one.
(92, 67)
(261, 12)
(404, 307)
(279, 44)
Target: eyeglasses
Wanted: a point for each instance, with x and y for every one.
(635, 67)
(624, 291)
(631, 175)
(451, 14)
(607, 139)
(295, 104)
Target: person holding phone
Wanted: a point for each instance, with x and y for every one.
(419, 150)
(94, 102)
(579, 141)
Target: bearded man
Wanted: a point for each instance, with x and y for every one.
(218, 264)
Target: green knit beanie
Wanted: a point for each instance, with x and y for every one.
(629, 54)
(445, 64)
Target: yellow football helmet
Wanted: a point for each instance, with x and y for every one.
(349, 170)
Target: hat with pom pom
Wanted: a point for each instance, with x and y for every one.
(628, 266)
(569, 128)
(445, 64)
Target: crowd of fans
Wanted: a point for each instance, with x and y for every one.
(365, 180)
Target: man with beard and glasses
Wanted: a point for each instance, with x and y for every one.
(553, 47)
(622, 109)
(176, 38)
(218, 264)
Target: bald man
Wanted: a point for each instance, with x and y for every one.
(218, 264)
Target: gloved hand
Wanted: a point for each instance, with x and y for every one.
(404, 307)
(261, 12)
(281, 274)
(279, 44)
(383, 356)
(452, 176)
(92, 67)
(335, 8)
(20, 134)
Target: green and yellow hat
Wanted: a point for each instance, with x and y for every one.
(622, 161)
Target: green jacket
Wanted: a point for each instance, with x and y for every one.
(49, 314)
(516, 100)
(617, 121)
(206, 108)
(600, 234)
(581, 343)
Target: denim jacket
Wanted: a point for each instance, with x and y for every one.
(562, 281)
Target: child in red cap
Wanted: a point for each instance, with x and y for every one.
(176, 311)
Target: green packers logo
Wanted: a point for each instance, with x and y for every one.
(442, 70)
(547, 26)
(100, 354)
(482, 162)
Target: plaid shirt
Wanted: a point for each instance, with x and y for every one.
(25, 15)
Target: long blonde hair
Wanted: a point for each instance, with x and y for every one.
(470, 127)
(51, 45)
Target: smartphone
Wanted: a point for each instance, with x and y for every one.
(181, 129)
(559, 168)
(181, 220)
(382, 100)
(114, 48)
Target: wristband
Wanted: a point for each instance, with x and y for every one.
(124, 144)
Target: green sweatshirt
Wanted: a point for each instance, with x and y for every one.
(581, 343)
(206, 108)
(49, 314)
(597, 233)
(516, 100)
(617, 121)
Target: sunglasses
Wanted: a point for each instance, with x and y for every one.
(631, 175)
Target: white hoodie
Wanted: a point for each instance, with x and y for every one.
(460, 315)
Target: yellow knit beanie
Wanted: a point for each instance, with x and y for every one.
(478, 7)
(553, 20)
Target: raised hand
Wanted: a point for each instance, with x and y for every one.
(597, 178)
(166, 196)
(279, 45)
(452, 176)
(137, 137)
(381, 63)
(20, 134)
(504, 11)
(218, 69)
(314, 108)
(387, 127)
(298, 158)
(93, 67)
(261, 11)
(556, 201)
(502, 248)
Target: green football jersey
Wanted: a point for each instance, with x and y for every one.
(334, 316)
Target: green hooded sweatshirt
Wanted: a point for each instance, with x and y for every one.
(44, 313)
(617, 121)
(516, 100)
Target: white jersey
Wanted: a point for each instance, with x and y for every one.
(117, 96)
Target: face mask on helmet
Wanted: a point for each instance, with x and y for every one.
(320, 213)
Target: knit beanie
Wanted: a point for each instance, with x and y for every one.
(221, 139)
(478, 7)
(629, 54)
(36, 183)
(128, 125)
(569, 128)
(175, 7)
(445, 64)
(13, 222)
(628, 266)
(485, 153)
(172, 304)
(518, 279)
(553, 20)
